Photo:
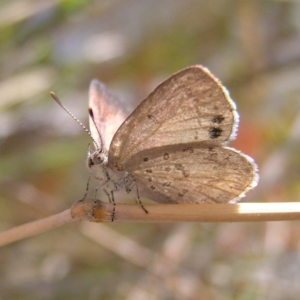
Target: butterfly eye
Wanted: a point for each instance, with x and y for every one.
(90, 163)
(100, 159)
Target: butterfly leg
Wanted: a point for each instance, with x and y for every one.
(100, 186)
(138, 201)
(86, 190)
(108, 195)
(96, 191)
(128, 185)
(111, 199)
(114, 204)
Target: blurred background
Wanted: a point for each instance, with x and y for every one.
(60, 45)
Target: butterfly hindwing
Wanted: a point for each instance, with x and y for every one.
(192, 174)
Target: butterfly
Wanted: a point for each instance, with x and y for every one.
(173, 147)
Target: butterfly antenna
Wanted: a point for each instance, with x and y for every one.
(91, 113)
(65, 109)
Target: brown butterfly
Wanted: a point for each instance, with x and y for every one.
(172, 147)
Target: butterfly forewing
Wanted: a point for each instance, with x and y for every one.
(191, 174)
(108, 110)
(189, 107)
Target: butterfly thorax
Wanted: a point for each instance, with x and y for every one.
(97, 163)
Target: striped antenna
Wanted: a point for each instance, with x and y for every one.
(91, 113)
(64, 108)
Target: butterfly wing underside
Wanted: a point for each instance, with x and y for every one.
(108, 110)
(189, 107)
(187, 173)
(173, 144)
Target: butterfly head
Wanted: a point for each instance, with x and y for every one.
(96, 158)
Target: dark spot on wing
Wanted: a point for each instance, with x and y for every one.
(248, 170)
(167, 169)
(189, 149)
(152, 187)
(91, 113)
(214, 132)
(178, 166)
(166, 156)
(210, 149)
(184, 191)
(151, 117)
(146, 159)
(196, 135)
(211, 156)
(167, 184)
(150, 179)
(228, 157)
(186, 173)
(149, 170)
(218, 119)
(188, 93)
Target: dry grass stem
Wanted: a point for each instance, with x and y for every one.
(35, 227)
(98, 211)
